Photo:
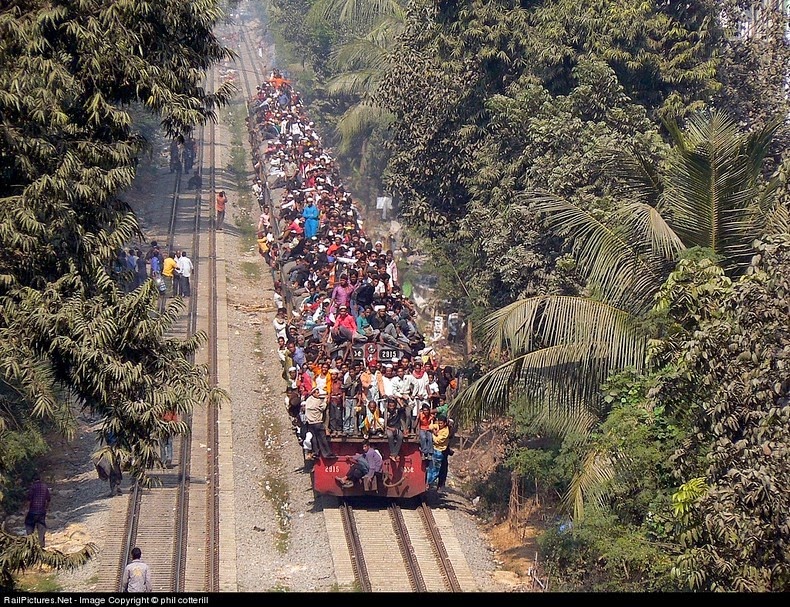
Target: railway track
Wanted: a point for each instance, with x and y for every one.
(175, 521)
(375, 533)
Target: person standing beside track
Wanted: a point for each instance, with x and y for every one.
(185, 268)
(168, 270)
(175, 156)
(39, 497)
(220, 204)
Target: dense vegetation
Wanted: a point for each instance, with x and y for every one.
(620, 169)
(71, 74)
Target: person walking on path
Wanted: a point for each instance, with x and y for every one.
(220, 204)
(137, 575)
(108, 467)
(39, 497)
(175, 156)
(185, 268)
(177, 291)
(166, 441)
(142, 269)
(168, 269)
(189, 153)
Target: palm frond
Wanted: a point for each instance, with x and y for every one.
(637, 177)
(560, 382)
(587, 484)
(359, 15)
(21, 553)
(562, 421)
(649, 226)
(548, 320)
(359, 120)
(713, 186)
(353, 83)
(622, 267)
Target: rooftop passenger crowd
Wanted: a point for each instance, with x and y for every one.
(343, 292)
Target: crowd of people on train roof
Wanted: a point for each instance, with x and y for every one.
(343, 293)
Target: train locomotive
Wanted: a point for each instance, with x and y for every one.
(405, 478)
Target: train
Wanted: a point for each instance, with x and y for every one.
(311, 235)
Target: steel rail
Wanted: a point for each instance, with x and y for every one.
(406, 549)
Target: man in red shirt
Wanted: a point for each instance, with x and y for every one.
(345, 327)
(39, 497)
(220, 204)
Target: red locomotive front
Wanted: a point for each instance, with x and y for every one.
(403, 478)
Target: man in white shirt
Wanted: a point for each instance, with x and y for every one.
(401, 387)
(185, 269)
(386, 381)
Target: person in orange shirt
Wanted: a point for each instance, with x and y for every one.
(220, 204)
(424, 421)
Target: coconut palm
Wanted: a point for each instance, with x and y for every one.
(558, 350)
(361, 60)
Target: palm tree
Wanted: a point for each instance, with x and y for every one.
(559, 349)
(362, 60)
(22, 553)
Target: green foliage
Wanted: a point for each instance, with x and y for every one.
(72, 76)
(542, 470)
(22, 553)
(601, 554)
(18, 446)
(736, 533)
(640, 439)
(309, 39)
(493, 491)
(517, 96)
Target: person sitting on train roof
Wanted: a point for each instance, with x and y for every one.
(384, 324)
(363, 323)
(345, 328)
(373, 421)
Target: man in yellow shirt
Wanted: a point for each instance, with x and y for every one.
(168, 268)
(441, 440)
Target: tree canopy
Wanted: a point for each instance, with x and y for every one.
(71, 76)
